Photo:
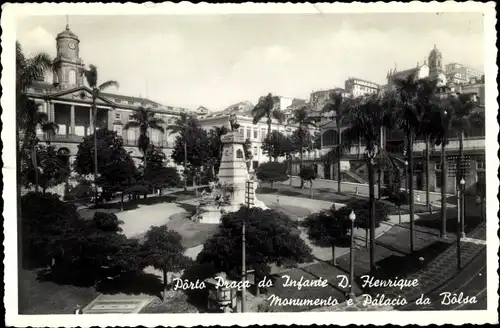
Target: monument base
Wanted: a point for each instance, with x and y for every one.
(212, 214)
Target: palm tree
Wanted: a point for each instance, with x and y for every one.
(459, 115)
(33, 120)
(266, 107)
(181, 126)
(144, 119)
(301, 117)
(338, 104)
(91, 77)
(28, 116)
(413, 97)
(367, 117)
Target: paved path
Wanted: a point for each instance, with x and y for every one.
(138, 221)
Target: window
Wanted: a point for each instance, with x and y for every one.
(118, 129)
(72, 77)
(118, 101)
(481, 164)
(438, 166)
(118, 116)
(262, 134)
(130, 102)
(248, 133)
(255, 133)
(131, 134)
(255, 151)
(242, 132)
(155, 136)
(239, 153)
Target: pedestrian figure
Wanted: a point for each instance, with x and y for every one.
(418, 197)
(278, 200)
(78, 310)
(356, 193)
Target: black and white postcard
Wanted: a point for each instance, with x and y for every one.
(236, 164)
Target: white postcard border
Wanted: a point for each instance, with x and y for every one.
(10, 11)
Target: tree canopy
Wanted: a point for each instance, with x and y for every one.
(272, 172)
(271, 238)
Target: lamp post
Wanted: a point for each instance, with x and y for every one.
(459, 215)
(406, 177)
(462, 203)
(352, 217)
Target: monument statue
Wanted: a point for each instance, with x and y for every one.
(228, 194)
(233, 122)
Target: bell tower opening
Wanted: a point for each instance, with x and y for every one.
(68, 64)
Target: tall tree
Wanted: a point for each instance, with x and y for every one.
(115, 166)
(28, 116)
(33, 120)
(367, 117)
(272, 145)
(413, 96)
(267, 108)
(304, 123)
(163, 250)
(92, 80)
(180, 127)
(338, 105)
(192, 147)
(216, 146)
(459, 113)
(145, 120)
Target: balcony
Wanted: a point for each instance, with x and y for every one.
(134, 143)
(70, 138)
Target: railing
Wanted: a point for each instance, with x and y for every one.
(135, 143)
(72, 138)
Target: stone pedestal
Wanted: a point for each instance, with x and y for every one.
(233, 173)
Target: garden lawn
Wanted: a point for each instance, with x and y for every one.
(193, 233)
(330, 196)
(36, 297)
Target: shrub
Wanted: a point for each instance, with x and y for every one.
(361, 209)
(272, 172)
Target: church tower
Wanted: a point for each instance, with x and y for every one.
(68, 64)
(435, 62)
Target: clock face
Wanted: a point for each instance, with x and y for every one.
(71, 45)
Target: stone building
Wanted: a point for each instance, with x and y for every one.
(353, 168)
(67, 102)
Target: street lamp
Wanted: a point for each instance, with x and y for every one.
(462, 201)
(479, 204)
(406, 177)
(352, 217)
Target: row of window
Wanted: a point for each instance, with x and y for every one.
(167, 119)
(480, 164)
(133, 134)
(253, 133)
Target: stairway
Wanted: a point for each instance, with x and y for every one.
(352, 176)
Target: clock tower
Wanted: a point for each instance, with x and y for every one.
(68, 64)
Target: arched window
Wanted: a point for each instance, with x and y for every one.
(72, 77)
(239, 153)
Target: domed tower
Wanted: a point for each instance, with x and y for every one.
(435, 62)
(68, 64)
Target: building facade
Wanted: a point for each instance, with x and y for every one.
(461, 74)
(256, 133)
(67, 102)
(358, 87)
(353, 168)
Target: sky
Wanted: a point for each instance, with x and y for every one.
(218, 60)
